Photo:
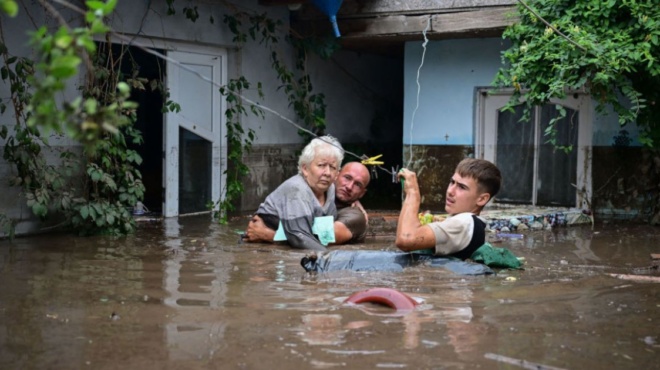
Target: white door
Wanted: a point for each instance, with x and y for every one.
(195, 150)
(533, 170)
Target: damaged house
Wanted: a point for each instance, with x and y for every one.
(451, 53)
(412, 80)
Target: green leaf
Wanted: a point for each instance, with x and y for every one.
(123, 88)
(65, 66)
(91, 106)
(39, 209)
(98, 208)
(95, 4)
(63, 41)
(109, 7)
(98, 27)
(96, 176)
(84, 212)
(9, 7)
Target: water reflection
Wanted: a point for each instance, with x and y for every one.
(446, 307)
(322, 329)
(194, 282)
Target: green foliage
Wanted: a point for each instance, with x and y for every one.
(295, 83)
(9, 7)
(113, 184)
(44, 185)
(614, 54)
(59, 57)
(98, 200)
(190, 12)
(309, 107)
(239, 142)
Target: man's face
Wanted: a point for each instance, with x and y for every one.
(351, 184)
(463, 195)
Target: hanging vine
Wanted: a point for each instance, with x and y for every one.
(609, 49)
(99, 201)
(296, 84)
(102, 118)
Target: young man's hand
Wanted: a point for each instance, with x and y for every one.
(409, 180)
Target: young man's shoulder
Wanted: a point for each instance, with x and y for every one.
(458, 223)
(460, 217)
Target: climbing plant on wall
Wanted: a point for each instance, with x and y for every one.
(295, 83)
(610, 49)
(101, 119)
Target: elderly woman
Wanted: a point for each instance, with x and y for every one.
(309, 194)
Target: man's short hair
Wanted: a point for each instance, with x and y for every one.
(487, 175)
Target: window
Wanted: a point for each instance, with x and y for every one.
(534, 171)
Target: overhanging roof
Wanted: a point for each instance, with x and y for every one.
(384, 26)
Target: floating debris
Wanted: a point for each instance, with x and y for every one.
(509, 236)
(522, 363)
(650, 279)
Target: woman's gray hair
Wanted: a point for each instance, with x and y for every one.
(323, 145)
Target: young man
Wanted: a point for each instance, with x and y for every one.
(474, 183)
(351, 223)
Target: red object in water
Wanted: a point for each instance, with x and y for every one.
(387, 296)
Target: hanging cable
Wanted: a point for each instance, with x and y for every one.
(132, 41)
(419, 88)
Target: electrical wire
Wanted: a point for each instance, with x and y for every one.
(133, 42)
(419, 88)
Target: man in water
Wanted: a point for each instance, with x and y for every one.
(351, 224)
(474, 183)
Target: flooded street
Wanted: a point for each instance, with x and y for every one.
(185, 294)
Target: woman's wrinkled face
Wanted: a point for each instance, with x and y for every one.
(321, 173)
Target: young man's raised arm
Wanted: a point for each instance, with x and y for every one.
(411, 235)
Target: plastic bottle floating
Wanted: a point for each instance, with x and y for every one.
(386, 296)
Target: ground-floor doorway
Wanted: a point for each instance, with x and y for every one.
(183, 150)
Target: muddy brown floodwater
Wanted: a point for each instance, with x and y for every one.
(185, 294)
